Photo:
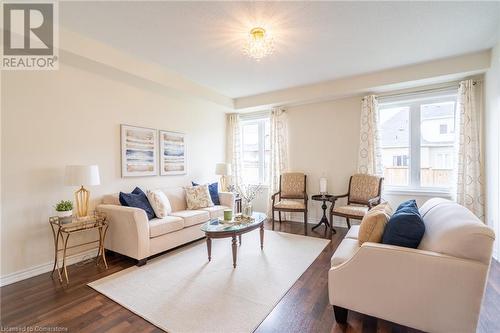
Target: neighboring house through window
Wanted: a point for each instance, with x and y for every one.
(418, 141)
(256, 149)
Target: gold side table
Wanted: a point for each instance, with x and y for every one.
(62, 231)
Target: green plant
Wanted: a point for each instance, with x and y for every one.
(64, 206)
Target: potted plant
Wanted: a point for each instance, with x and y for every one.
(248, 193)
(64, 209)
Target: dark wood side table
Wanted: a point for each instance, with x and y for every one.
(324, 220)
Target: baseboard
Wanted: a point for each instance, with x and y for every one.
(43, 268)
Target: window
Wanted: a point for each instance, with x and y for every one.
(256, 150)
(443, 129)
(418, 140)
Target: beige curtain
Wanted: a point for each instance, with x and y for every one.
(470, 184)
(233, 147)
(279, 150)
(369, 156)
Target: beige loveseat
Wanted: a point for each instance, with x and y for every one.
(131, 234)
(435, 288)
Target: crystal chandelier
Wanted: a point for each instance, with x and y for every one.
(258, 44)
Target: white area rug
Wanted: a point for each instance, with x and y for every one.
(182, 292)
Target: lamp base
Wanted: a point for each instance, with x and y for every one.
(82, 202)
(223, 184)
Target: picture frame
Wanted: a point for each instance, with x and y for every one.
(139, 151)
(173, 153)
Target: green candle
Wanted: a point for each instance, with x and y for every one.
(228, 214)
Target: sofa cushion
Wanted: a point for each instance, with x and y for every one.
(198, 197)
(138, 199)
(158, 227)
(215, 211)
(353, 232)
(192, 217)
(111, 199)
(373, 224)
(454, 230)
(159, 202)
(405, 227)
(177, 198)
(346, 249)
(214, 192)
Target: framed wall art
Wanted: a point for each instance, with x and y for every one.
(139, 151)
(173, 159)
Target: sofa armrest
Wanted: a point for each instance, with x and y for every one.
(128, 232)
(227, 199)
(410, 287)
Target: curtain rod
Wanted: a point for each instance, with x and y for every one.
(454, 85)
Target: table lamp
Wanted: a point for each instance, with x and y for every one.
(80, 175)
(223, 170)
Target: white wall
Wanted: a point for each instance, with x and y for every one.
(492, 144)
(73, 116)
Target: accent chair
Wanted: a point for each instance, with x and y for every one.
(363, 194)
(291, 197)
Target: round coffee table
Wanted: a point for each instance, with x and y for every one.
(215, 229)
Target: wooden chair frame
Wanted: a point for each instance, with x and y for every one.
(290, 210)
(370, 203)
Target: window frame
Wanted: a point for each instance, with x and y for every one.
(261, 123)
(414, 145)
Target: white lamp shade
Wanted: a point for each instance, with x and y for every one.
(223, 169)
(77, 175)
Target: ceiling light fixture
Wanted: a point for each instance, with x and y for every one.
(259, 44)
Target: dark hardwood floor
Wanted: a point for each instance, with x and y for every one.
(43, 302)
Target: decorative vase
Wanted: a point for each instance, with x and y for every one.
(248, 210)
(64, 216)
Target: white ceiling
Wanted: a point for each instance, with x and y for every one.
(315, 41)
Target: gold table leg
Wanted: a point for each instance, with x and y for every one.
(64, 266)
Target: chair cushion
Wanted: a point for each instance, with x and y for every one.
(137, 199)
(292, 184)
(177, 197)
(214, 192)
(192, 217)
(290, 204)
(364, 187)
(160, 203)
(358, 211)
(353, 232)
(454, 230)
(158, 227)
(215, 211)
(405, 227)
(346, 249)
(373, 224)
(198, 197)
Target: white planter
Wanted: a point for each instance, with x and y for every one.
(64, 214)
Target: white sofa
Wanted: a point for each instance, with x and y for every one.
(435, 288)
(131, 234)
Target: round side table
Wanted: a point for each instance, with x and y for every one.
(324, 220)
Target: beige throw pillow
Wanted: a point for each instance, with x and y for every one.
(160, 203)
(198, 197)
(373, 223)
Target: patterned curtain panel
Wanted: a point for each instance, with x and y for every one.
(369, 156)
(233, 147)
(279, 150)
(470, 184)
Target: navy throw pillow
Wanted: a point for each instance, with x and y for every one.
(137, 199)
(214, 192)
(405, 227)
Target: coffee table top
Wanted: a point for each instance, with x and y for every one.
(214, 226)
